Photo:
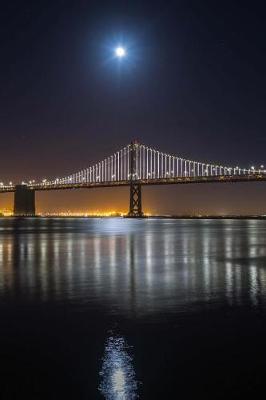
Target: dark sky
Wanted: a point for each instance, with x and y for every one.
(193, 84)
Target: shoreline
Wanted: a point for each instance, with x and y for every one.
(242, 217)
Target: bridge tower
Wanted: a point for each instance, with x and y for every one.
(135, 204)
(24, 201)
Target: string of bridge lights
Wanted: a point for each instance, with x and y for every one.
(149, 164)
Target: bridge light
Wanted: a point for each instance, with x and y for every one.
(262, 166)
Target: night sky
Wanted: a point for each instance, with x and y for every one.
(193, 85)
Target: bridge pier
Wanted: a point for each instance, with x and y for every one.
(135, 203)
(24, 201)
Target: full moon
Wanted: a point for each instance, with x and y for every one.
(120, 52)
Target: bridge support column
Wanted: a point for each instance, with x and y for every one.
(135, 204)
(24, 201)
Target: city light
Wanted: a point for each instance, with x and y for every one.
(6, 212)
(86, 214)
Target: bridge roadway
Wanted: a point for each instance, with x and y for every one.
(155, 181)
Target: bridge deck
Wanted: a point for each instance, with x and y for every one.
(145, 182)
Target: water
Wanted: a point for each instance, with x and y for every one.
(123, 309)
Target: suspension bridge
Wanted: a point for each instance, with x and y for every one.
(135, 165)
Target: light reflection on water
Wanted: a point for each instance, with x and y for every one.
(188, 295)
(141, 267)
(118, 380)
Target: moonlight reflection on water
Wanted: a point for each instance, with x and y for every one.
(117, 373)
(80, 297)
